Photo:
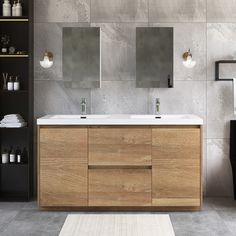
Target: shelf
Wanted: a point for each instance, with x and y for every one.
(13, 128)
(13, 19)
(13, 92)
(14, 56)
(14, 165)
(14, 196)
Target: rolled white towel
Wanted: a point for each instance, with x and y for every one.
(12, 115)
(14, 125)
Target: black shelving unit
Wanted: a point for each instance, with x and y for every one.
(16, 180)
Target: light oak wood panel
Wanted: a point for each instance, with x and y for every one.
(63, 177)
(120, 146)
(119, 187)
(64, 142)
(176, 202)
(176, 164)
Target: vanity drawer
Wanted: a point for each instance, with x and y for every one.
(121, 146)
(119, 187)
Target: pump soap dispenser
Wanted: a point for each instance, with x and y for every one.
(6, 8)
(18, 9)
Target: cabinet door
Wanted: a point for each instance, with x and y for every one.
(119, 187)
(176, 173)
(120, 146)
(63, 166)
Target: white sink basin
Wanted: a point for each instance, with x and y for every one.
(123, 119)
(161, 116)
(79, 116)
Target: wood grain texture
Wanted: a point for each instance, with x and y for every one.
(119, 187)
(176, 202)
(63, 167)
(61, 142)
(176, 160)
(120, 146)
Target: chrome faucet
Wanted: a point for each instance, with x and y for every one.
(83, 106)
(158, 105)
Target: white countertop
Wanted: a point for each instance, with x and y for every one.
(120, 120)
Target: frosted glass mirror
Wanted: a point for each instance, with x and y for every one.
(81, 57)
(154, 57)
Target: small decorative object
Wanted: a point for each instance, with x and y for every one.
(5, 157)
(16, 84)
(21, 52)
(14, 9)
(18, 155)
(5, 39)
(12, 156)
(12, 50)
(5, 77)
(6, 8)
(10, 84)
(18, 9)
(188, 60)
(47, 61)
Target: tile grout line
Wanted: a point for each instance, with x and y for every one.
(206, 133)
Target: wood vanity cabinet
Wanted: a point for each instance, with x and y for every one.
(63, 167)
(120, 166)
(124, 146)
(119, 158)
(176, 167)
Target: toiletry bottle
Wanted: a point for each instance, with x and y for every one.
(13, 13)
(16, 84)
(10, 84)
(5, 157)
(12, 156)
(18, 9)
(18, 155)
(6, 8)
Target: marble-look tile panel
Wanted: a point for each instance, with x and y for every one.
(48, 36)
(52, 97)
(35, 223)
(177, 11)
(219, 108)
(118, 50)
(219, 172)
(188, 36)
(221, 45)
(119, 97)
(62, 11)
(187, 97)
(221, 11)
(119, 11)
(204, 223)
(229, 217)
(6, 217)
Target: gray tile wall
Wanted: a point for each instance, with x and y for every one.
(208, 27)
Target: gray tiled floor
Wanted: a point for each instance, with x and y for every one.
(218, 217)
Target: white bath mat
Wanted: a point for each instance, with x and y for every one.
(117, 225)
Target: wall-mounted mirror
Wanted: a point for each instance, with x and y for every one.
(154, 57)
(81, 57)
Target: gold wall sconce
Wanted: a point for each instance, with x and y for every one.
(188, 61)
(47, 61)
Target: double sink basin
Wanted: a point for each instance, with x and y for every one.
(120, 120)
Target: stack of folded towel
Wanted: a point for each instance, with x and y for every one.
(12, 121)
